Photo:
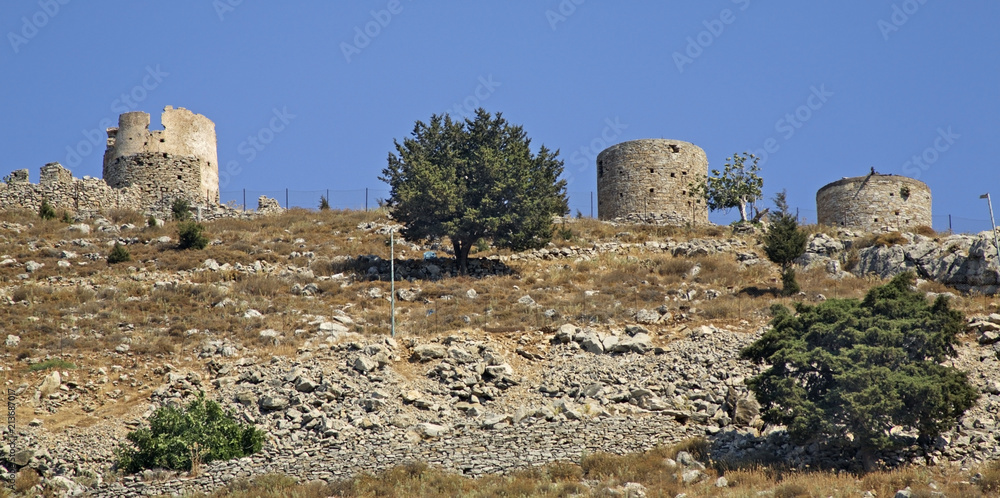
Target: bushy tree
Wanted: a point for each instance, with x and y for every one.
(736, 186)
(181, 209)
(119, 254)
(324, 204)
(848, 369)
(190, 235)
(46, 211)
(784, 242)
(179, 437)
(474, 179)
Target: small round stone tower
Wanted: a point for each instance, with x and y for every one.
(649, 179)
(875, 203)
(179, 161)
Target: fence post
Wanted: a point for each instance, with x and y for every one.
(949, 223)
(591, 203)
(327, 196)
(244, 200)
(366, 199)
(286, 197)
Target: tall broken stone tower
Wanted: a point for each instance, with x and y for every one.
(179, 161)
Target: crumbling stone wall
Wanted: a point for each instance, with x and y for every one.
(179, 161)
(649, 178)
(63, 192)
(875, 203)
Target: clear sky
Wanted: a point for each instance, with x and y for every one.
(309, 95)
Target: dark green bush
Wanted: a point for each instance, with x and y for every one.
(200, 433)
(46, 211)
(181, 209)
(118, 254)
(190, 236)
(324, 204)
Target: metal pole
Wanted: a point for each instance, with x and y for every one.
(949, 223)
(392, 282)
(244, 200)
(993, 224)
(327, 196)
(366, 199)
(591, 203)
(286, 198)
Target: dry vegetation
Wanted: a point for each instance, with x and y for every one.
(602, 475)
(81, 313)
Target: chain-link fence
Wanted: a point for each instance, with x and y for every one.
(581, 203)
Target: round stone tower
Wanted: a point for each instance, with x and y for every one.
(178, 161)
(875, 203)
(649, 179)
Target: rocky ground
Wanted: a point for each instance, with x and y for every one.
(335, 397)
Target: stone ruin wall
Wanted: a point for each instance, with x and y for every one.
(179, 161)
(648, 179)
(875, 203)
(65, 193)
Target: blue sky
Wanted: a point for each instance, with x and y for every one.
(831, 88)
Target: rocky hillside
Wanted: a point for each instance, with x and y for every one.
(615, 338)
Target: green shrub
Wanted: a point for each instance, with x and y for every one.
(181, 209)
(53, 363)
(66, 218)
(177, 438)
(324, 204)
(151, 222)
(190, 236)
(118, 254)
(46, 211)
(850, 370)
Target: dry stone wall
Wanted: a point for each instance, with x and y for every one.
(63, 192)
(875, 203)
(650, 178)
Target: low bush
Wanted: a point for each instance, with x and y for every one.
(178, 438)
(53, 363)
(46, 211)
(181, 209)
(119, 254)
(190, 235)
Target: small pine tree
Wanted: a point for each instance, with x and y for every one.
(181, 209)
(324, 204)
(46, 211)
(190, 235)
(784, 242)
(66, 218)
(151, 222)
(118, 254)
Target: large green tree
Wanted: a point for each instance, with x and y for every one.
(736, 186)
(852, 370)
(474, 179)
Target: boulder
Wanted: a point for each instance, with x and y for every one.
(428, 352)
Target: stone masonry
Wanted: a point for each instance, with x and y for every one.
(178, 161)
(874, 203)
(143, 170)
(649, 179)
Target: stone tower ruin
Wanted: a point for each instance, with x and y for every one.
(649, 179)
(875, 203)
(179, 161)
